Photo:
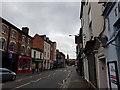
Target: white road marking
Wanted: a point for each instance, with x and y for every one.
(21, 86)
(36, 80)
(19, 80)
(60, 84)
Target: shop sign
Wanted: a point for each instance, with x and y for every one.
(113, 75)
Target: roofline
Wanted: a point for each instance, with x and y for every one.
(5, 21)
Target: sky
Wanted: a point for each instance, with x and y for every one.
(56, 20)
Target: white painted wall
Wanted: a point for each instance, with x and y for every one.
(111, 52)
(37, 54)
(47, 50)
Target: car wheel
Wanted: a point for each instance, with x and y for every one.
(13, 78)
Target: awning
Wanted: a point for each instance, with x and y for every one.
(38, 60)
(113, 36)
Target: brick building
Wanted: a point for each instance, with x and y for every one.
(52, 53)
(60, 59)
(38, 49)
(14, 56)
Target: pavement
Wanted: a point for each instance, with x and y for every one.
(77, 81)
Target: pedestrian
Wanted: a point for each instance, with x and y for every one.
(33, 67)
(40, 67)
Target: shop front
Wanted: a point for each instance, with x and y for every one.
(38, 63)
(24, 63)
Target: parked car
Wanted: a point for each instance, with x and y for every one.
(6, 74)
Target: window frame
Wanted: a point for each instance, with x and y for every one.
(13, 30)
(5, 30)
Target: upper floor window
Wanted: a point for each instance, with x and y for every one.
(12, 46)
(23, 38)
(44, 54)
(34, 54)
(4, 28)
(40, 55)
(2, 43)
(14, 33)
(89, 14)
(48, 55)
(29, 40)
(28, 51)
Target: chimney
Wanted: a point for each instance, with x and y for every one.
(25, 30)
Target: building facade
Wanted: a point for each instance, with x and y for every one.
(52, 54)
(46, 62)
(94, 60)
(37, 58)
(16, 54)
(38, 49)
(24, 51)
(112, 48)
(60, 59)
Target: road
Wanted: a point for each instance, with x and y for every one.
(46, 79)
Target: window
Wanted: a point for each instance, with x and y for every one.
(23, 49)
(12, 46)
(4, 28)
(14, 33)
(29, 51)
(45, 54)
(89, 14)
(48, 55)
(34, 54)
(24, 64)
(29, 40)
(2, 43)
(90, 29)
(40, 55)
(23, 38)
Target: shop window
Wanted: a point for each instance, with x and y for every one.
(12, 46)
(4, 28)
(2, 43)
(24, 64)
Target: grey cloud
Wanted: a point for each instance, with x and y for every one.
(48, 18)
